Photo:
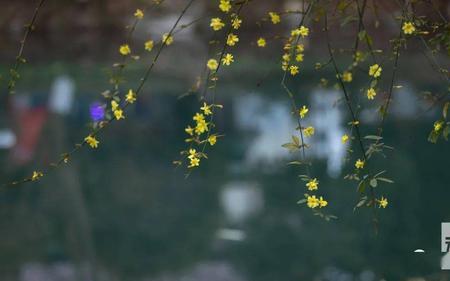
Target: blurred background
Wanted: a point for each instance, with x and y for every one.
(123, 212)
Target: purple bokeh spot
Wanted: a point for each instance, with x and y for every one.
(97, 112)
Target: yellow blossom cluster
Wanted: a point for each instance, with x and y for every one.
(200, 134)
(313, 201)
(287, 63)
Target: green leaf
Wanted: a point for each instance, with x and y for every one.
(290, 146)
(361, 186)
(373, 137)
(446, 132)
(360, 203)
(362, 35)
(433, 137)
(385, 180)
(445, 110)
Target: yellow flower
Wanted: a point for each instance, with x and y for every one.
(383, 202)
(36, 175)
(302, 31)
(130, 97)
(236, 22)
(359, 164)
(189, 130)
(312, 202)
(212, 64)
(114, 105)
(371, 93)
(312, 184)
(308, 131)
(149, 45)
(294, 70)
(139, 14)
(261, 42)
(198, 117)
(212, 140)
(225, 6)
(118, 113)
(438, 125)
(303, 111)
(274, 17)
(91, 141)
(375, 70)
(125, 50)
(300, 48)
(201, 127)
(299, 57)
(227, 59)
(344, 138)
(347, 76)
(322, 202)
(232, 39)
(192, 153)
(408, 27)
(195, 162)
(206, 109)
(167, 39)
(286, 57)
(216, 24)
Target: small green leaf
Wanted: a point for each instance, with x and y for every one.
(385, 180)
(445, 110)
(361, 186)
(446, 132)
(373, 137)
(290, 146)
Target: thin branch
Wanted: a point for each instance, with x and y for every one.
(14, 75)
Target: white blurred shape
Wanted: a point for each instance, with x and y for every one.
(241, 200)
(61, 95)
(273, 126)
(231, 234)
(7, 139)
(326, 118)
(445, 262)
